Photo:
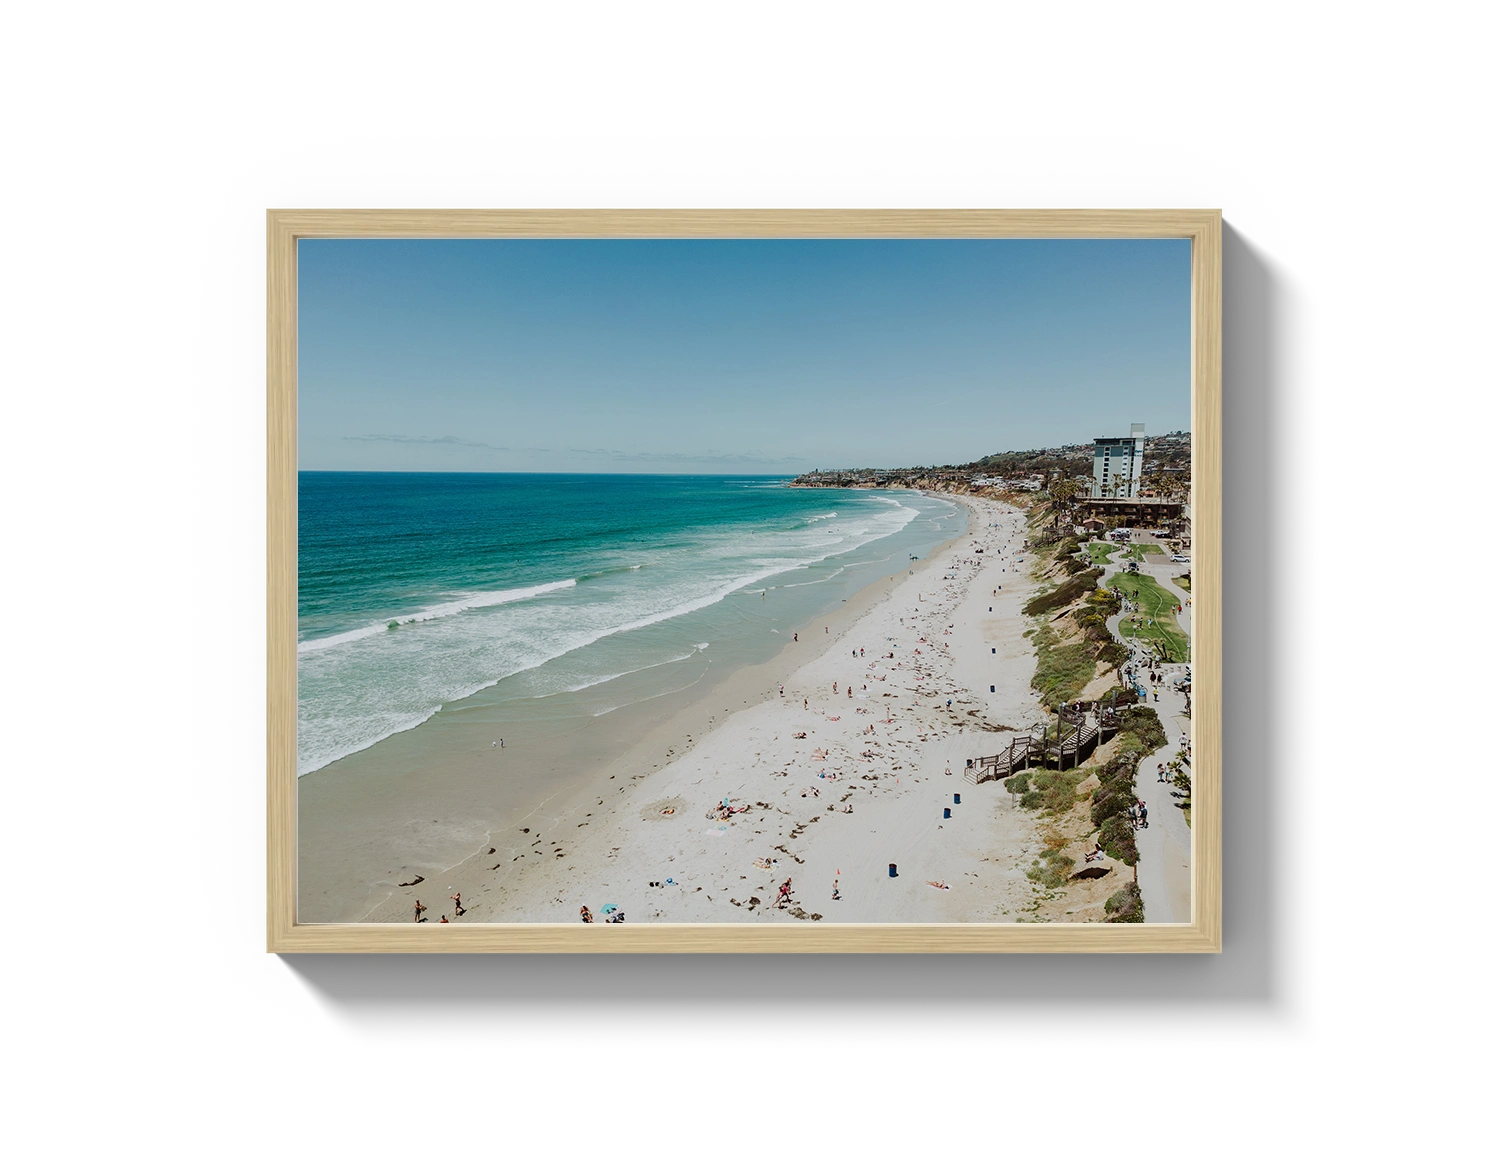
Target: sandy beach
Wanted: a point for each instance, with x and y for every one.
(825, 767)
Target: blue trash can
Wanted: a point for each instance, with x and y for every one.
(893, 869)
(992, 688)
(958, 798)
(947, 812)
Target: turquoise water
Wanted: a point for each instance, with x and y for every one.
(416, 591)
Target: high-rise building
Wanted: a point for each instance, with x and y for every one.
(1117, 466)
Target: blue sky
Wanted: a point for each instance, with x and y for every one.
(731, 356)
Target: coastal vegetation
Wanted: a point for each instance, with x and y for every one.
(1141, 733)
(1063, 669)
(1099, 552)
(1052, 869)
(1046, 790)
(1125, 905)
(1184, 582)
(1065, 594)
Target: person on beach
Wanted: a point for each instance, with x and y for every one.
(794, 635)
(836, 886)
(1142, 815)
(442, 920)
(851, 692)
(458, 905)
(417, 917)
(804, 704)
(585, 914)
(781, 690)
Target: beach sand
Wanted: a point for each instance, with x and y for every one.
(649, 837)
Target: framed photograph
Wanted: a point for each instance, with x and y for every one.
(743, 581)
(684, 549)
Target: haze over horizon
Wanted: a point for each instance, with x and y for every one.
(731, 356)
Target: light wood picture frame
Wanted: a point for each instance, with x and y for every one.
(285, 934)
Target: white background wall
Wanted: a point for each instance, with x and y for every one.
(1350, 147)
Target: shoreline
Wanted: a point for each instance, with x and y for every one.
(348, 815)
(600, 838)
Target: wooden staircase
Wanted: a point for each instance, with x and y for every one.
(1060, 746)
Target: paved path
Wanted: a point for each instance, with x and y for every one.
(1166, 845)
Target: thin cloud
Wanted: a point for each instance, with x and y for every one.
(446, 440)
(732, 459)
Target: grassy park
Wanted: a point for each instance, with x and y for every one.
(1154, 621)
(1099, 552)
(1139, 552)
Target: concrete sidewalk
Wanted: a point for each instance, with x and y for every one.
(1166, 845)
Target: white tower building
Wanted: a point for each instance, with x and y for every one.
(1117, 465)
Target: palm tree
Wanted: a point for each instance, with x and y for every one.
(1058, 500)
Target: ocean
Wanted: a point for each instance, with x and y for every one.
(513, 593)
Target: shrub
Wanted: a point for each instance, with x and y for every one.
(1019, 783)
(1065, 594)
(1104, 603)
(1125, 905)
(1113, 653)
(1053, 868)
(1112, 804)
(1058, 790)
(1117, 839)
(1032, 800)
(1145, 724)
(1062, 668)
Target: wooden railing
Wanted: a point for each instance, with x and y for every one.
(1065, 744)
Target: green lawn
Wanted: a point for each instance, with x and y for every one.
(1153, 623)
(1139, 552)
(1185, 583)
(1100, 551)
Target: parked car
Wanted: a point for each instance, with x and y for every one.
(1179, 559)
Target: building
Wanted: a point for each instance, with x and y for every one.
(1141, 512)
(1118, 464)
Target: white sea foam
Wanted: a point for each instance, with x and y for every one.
(356, 689)
(465, 602)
